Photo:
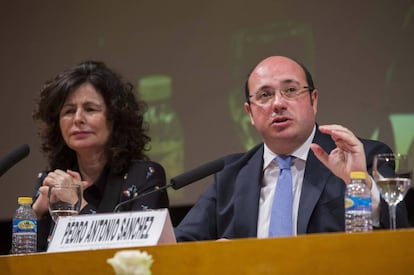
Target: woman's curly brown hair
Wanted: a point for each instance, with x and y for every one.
(128, 139)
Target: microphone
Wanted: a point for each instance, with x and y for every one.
(182, 180)
(14, 157)
(197, 173)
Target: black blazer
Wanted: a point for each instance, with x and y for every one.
(229, 207)
(111, 189)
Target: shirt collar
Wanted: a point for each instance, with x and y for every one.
(299, 153)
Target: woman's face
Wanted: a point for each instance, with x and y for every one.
(83, 120)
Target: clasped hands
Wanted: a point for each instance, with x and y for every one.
(56, 177)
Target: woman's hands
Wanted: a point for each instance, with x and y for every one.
(57, 177)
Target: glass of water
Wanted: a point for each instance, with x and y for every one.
(64, 200)
(393, 174)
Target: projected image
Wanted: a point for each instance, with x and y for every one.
(402, 126)
(397, 127)
(165, 130)
(248, 46)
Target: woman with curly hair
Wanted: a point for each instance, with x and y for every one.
(92, 133)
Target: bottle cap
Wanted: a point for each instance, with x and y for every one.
(358, 175)
(25, 200)
(155, 87)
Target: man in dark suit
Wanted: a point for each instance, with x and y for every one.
(281, 101)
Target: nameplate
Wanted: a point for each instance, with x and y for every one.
(112, 230)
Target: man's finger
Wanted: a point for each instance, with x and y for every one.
(320, 153)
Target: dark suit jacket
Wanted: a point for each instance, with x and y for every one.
(111, 189)
(229, 207)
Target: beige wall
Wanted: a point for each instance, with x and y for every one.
(361, 56)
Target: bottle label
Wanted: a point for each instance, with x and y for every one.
(24, 226)
(357, 203)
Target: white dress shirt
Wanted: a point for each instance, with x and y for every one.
(270, 175)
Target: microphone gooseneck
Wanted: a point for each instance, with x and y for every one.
(156, 189)
(180, 180)
(14, 157)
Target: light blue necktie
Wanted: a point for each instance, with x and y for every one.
(281, 215)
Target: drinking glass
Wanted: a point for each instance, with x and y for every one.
(392, 173)
(64, 200)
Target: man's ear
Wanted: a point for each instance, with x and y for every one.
(248, 109)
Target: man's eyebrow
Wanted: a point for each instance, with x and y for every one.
(288, 81)
(264, 87)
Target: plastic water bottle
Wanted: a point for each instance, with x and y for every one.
(358, 209)
(24, 238)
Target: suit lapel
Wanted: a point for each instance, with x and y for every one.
(314, 181)
(246, 196)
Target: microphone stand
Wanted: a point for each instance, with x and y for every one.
(156, 189)
(181, 180)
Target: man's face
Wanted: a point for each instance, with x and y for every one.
(284, 123)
